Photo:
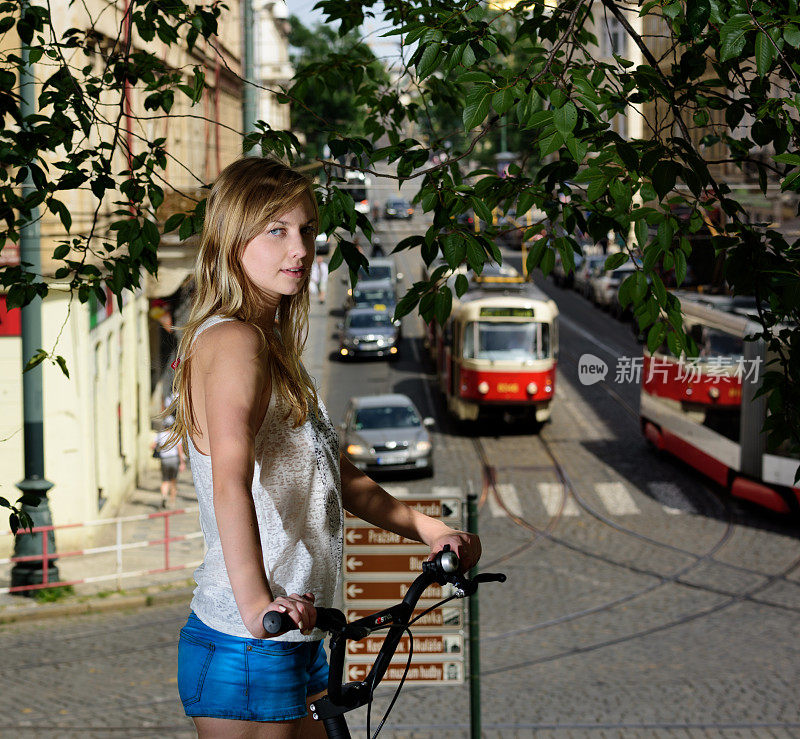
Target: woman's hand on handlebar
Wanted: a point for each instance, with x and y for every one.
(299, 608)
(467, 547)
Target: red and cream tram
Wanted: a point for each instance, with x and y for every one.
(497, 352)
(703, 409)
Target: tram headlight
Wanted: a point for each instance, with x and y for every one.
(713, 393)
(483, 387)
(532, 388)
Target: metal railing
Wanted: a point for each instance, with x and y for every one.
(118, 548)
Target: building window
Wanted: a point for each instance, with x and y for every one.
(613, 37)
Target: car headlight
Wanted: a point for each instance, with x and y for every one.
(356, 449)
(423, 446)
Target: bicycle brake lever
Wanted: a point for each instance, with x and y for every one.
(489, 577)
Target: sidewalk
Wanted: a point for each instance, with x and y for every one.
(149, 587)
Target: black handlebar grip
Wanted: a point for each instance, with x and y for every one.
(275, 622)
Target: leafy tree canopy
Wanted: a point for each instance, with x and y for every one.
(715, 83)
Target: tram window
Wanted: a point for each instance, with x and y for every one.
(496, 341)
(713, 343)
(392, 417)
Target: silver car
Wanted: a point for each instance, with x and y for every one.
(386, 432)
(368, 332)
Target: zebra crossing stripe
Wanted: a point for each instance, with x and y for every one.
(552, 494)
(508, 494)
(446, 491)
(616, 499)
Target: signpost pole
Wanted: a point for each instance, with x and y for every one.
(474, 634)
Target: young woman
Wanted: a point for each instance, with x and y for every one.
(266, 466)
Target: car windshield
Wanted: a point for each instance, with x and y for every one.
(498, 341)
(389, 417)
(369, 320)
(371, 297)
(376, 272)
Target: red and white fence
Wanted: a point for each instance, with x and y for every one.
(108, 562)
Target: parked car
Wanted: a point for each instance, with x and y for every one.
(369, 332)
(387, 432)
(397, 208)
(605, 285)
(585, 272)
(380, 268)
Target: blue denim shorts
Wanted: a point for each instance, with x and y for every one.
(232, 677)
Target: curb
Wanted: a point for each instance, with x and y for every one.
(99, 605)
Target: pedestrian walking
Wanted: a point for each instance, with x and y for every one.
(270, 480)
(319, 278)
(173, 461)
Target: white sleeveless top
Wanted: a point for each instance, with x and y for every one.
(298, 501)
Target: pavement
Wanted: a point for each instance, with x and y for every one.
(158, 588)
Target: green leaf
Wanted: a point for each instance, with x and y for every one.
(427, 62)
(791, 35)
(565, 119)
(733, 36)
(655, 336)
(550, 144)
(443, 304)
(462, 285)
(475, 256)
(697, 15)
(664, 176)
(680, 267)
(615, 260)
(641, 233)
(63, 364)
(577, 148)
(35, 360)
(639, 286)
(476, 108)
(764, 53)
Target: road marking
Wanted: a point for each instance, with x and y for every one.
(616, 498)
(671, 497)
(552, 494)
(508, 494)
(446, 491)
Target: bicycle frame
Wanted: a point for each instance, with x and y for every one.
(342, 698)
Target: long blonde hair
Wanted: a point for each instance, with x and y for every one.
(247, 195)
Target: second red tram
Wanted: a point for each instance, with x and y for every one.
(705, 410)
(497, 353)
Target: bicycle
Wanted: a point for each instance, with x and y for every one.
(345, 697)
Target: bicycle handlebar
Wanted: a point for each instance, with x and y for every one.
(341, 698)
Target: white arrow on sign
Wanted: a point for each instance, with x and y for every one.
(353, 590)
(352, 536)
(356, 646)
(353, 563)
(356, 673)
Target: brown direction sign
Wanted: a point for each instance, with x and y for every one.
(446, 672)
(444, 645)
(355, 564)
(443, 617)
(448, 509)
(371, 536)
(390, 591)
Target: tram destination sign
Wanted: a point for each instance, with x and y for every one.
(448, 509)
(451, 672)
(445, 646)
(390, 592)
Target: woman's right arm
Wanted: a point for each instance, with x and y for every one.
(235, 379)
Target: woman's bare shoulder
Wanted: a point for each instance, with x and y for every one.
(229, 344)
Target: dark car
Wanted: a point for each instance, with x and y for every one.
(386, 432)
(398, 208)
(372, 294)
(369, 332)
